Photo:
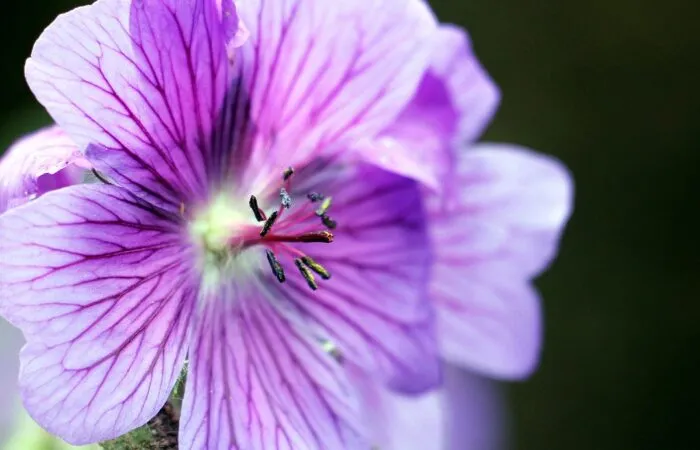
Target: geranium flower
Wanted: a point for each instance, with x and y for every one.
(494, 215)
(237, 221)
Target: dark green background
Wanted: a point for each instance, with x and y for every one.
(609, 87)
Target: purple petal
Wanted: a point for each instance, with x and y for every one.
(374, 307)
(96, 282)
(466, 414)
(143, 83)
(498, 231)
(255, 382)
(40, 162)
(319, 76)
(454, 103)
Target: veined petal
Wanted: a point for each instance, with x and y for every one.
(319, 76)
(255, 382)
(98, 284)
(139, 85)
(42, 161)
(454, 102)
(500, 229)
(467, 413)
(375, 307)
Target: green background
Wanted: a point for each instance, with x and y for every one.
(608, 87)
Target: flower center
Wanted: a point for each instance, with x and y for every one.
(225, 230)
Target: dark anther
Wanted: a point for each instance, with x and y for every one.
(268, 224)
(316, 236)
(275, 266)
(316, 267)
(314, 196)
(100, 177)
(327, 221)
(324, 206)
(306, 273)
(286, 199)
(287, 174)
(330, 348)
(259, 213)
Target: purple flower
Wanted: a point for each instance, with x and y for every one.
(185, 248)
(494, 225)
(198, 240)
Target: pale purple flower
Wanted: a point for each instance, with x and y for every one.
(494, 225)
(184, 114)
(187, 108)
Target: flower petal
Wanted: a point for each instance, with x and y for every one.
(501, 229)
(455, 101)
(467, 413)
(318, 76)
(96, 282)
(143, 82)
(42, 161)
(374, 307)
(255, 382)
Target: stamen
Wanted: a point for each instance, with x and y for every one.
(330, 348)
(287, 174)
(324, 206)
(324, 236)
(268, 224)
(182, 209)
(316, 267)
(286, 199)
(314, 197)
(275, 266)
(316, 236)
(327, 221)
(259, 213)
(306, 273)
(100, 177)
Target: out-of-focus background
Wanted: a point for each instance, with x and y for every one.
(608, 86)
